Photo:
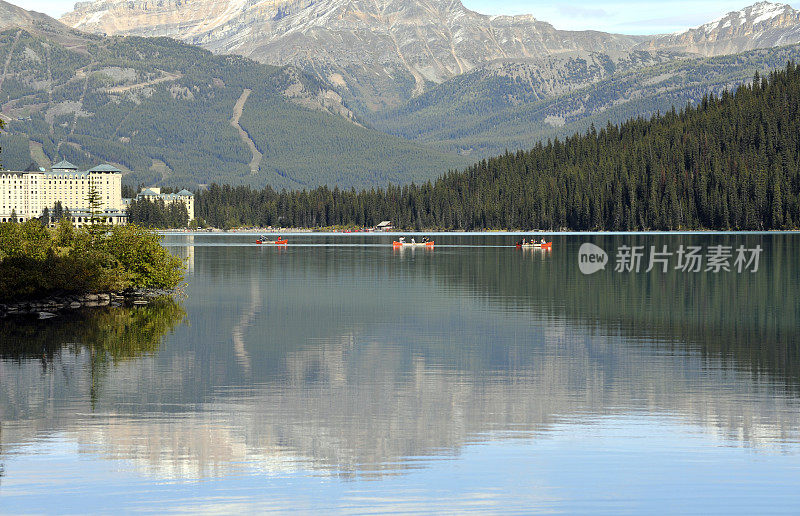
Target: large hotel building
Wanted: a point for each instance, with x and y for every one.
(26, 194)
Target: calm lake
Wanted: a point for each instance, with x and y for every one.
(338, 374)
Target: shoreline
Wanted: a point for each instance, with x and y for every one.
(308, 232)
(48, 307)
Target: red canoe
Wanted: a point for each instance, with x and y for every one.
(412, 244)
(536, 245)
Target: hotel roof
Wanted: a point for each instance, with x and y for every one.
(105, 168)
(64, 165)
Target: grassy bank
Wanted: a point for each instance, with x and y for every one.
(36, 261)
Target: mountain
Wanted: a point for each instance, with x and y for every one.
(761, 25)
(465, 113)
(442, 75)
(381, 54)
(378, 53)
(512, 105)
(171, 113)
(13, 16)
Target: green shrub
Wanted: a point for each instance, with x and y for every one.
(37, 261)
(143, 258)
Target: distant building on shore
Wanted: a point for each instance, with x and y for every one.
(386, 225)
(25, 194)
(153, 194)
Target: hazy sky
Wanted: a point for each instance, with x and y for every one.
(625, 16)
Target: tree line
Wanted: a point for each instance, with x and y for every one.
(731, 162)
(158, 214)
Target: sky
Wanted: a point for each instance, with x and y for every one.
(622, 16)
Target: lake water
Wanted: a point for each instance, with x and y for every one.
(340, 375)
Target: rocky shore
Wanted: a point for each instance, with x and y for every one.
(53, 306)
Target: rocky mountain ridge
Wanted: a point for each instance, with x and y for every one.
(505, 106)
(761, 25)
(379, 53)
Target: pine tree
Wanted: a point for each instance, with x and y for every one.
(58, 211)
(95, 202)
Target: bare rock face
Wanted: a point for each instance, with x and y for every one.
(381, 52)
(762, 25)
(152, 17)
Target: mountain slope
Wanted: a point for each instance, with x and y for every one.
(435, 72)
(491, 90)
(382, 53)
(13, 16)
(379, 53)
(490, 110)
(162, 110)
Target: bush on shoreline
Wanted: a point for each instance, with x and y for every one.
(36, 261)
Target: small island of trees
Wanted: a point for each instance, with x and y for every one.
(38, 261)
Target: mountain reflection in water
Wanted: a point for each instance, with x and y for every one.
(361, 363)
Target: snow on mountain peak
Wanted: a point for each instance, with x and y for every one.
(764, 11)
(754, 14)
(761, 25)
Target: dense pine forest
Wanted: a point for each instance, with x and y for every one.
(158, 214)
(731, 162)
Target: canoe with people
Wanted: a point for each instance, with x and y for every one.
(401, 242)
(279, 241)
(534, 244)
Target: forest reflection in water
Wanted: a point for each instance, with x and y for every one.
(111, 333)
(104, 337)
(361, 362)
